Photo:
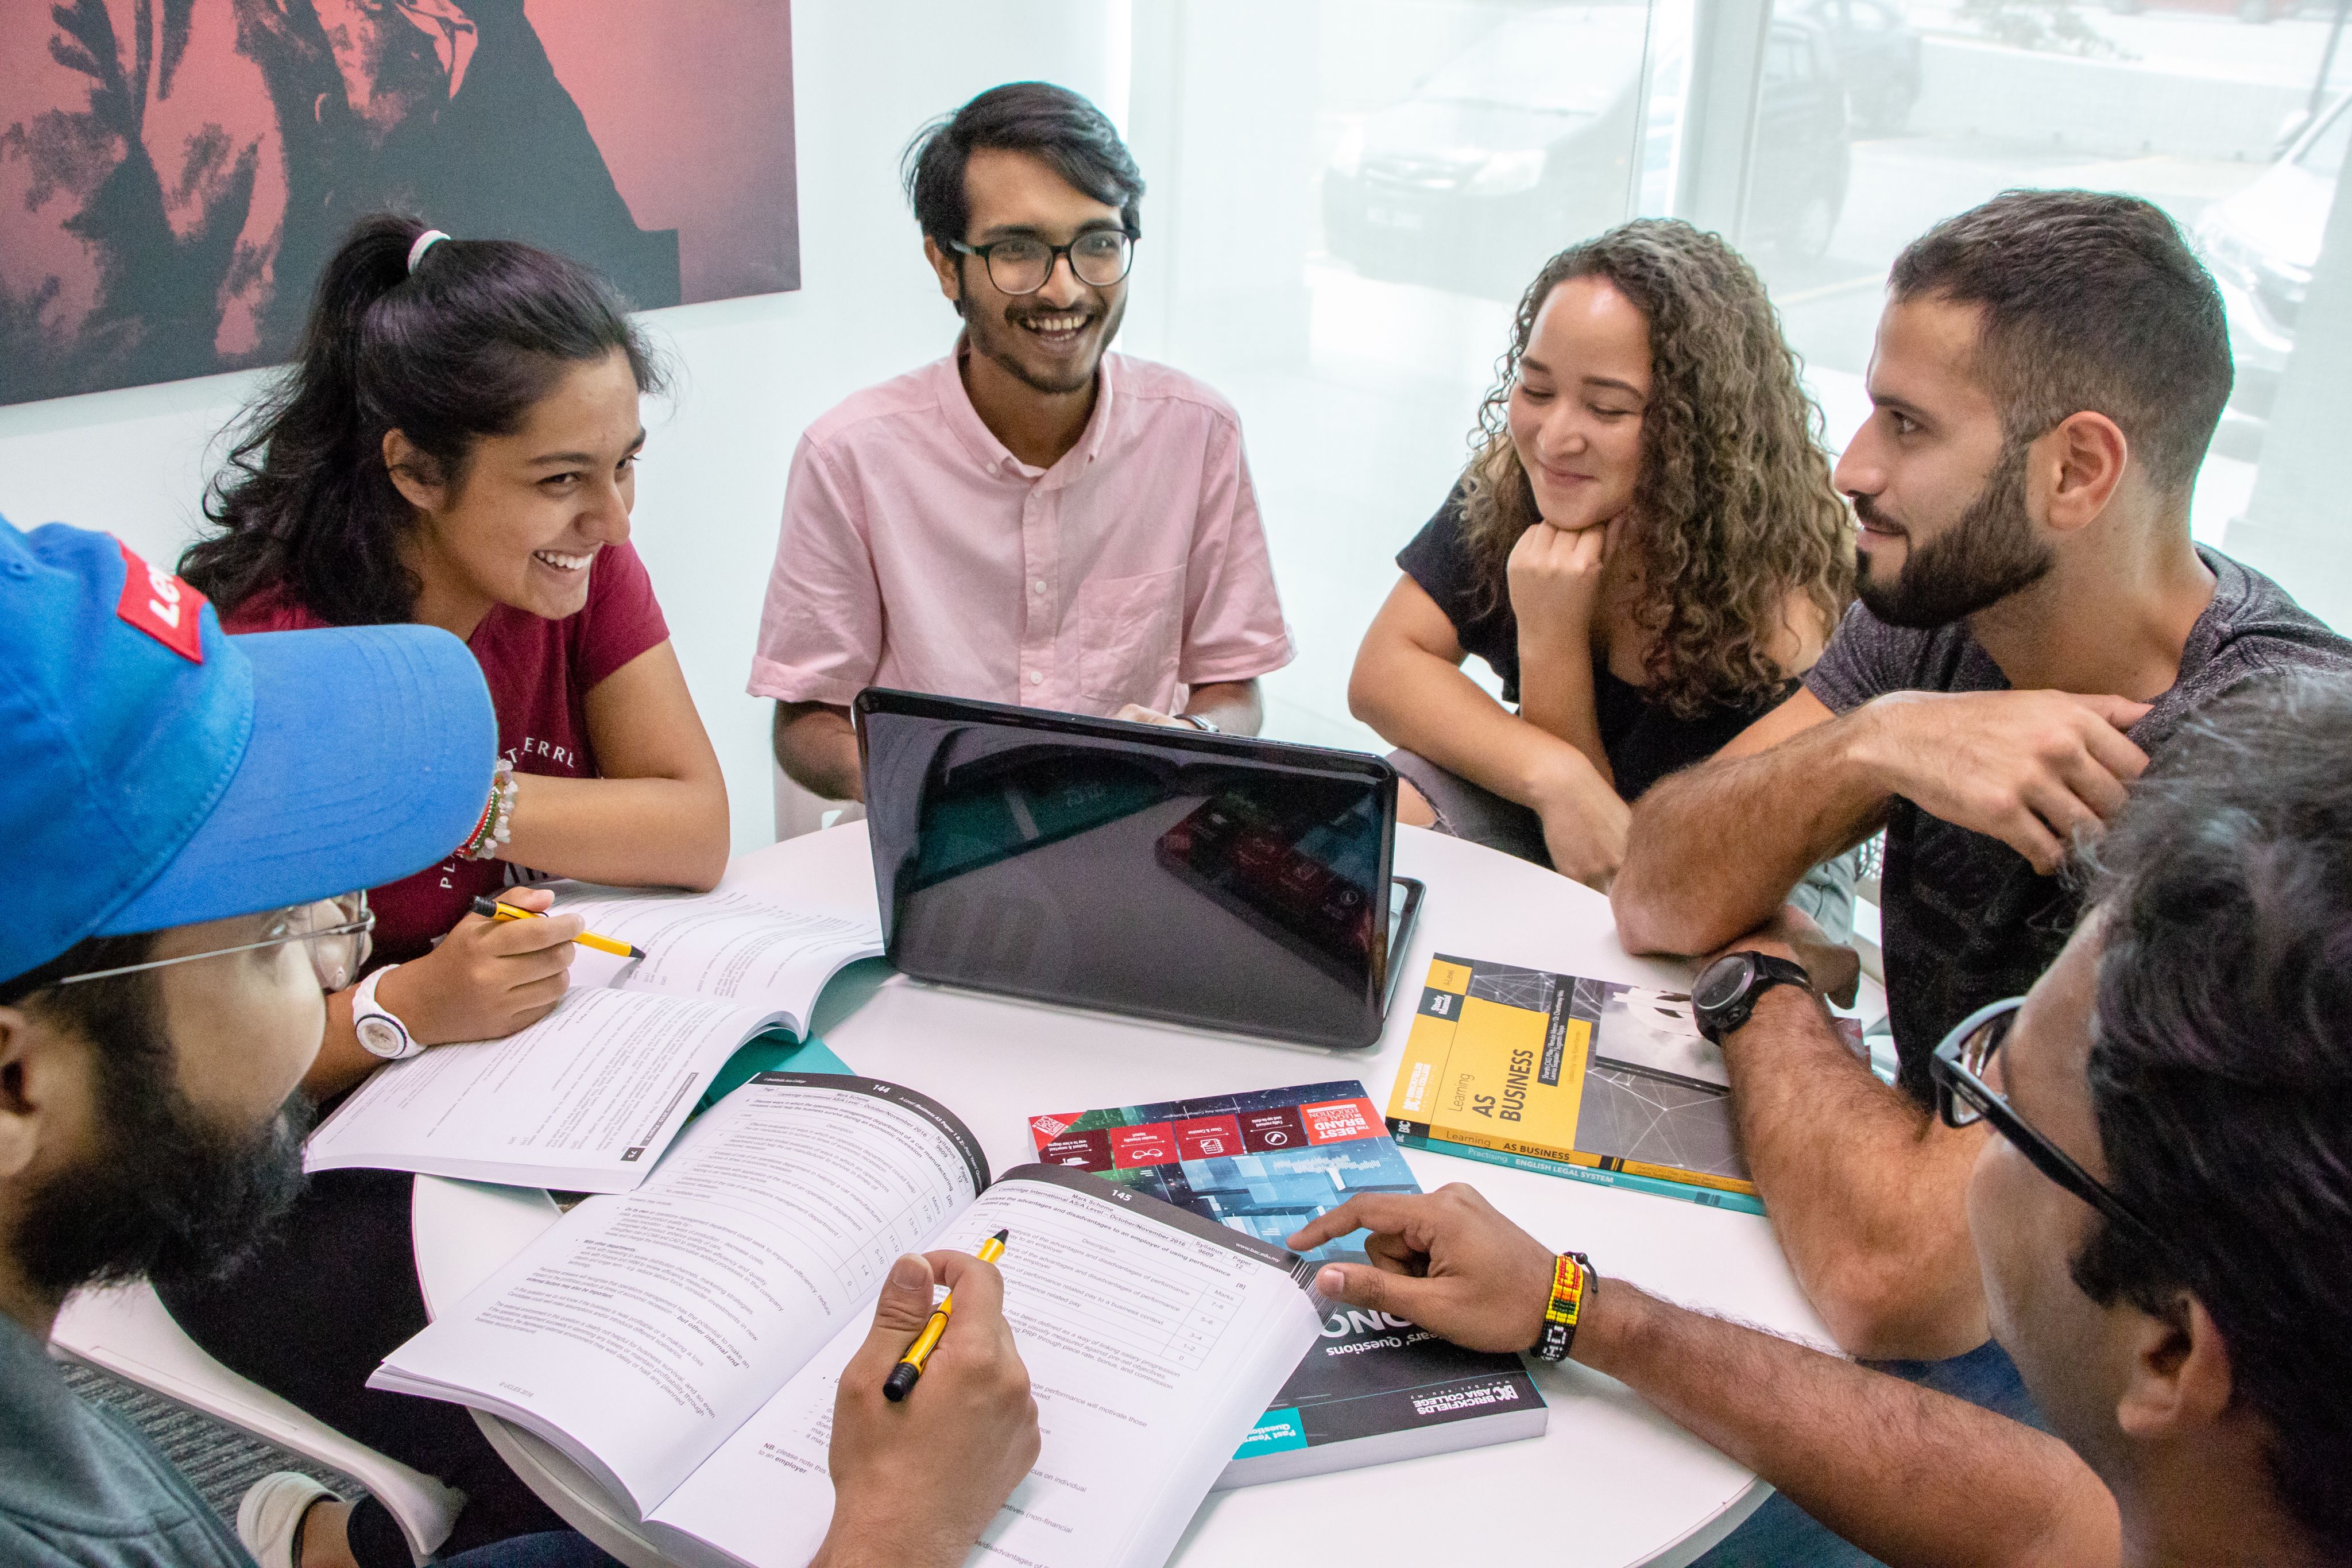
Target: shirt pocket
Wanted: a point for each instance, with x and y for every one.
(1130, 634)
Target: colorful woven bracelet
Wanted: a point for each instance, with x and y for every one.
(496, 821)
(1572, 1286)
(481, 826)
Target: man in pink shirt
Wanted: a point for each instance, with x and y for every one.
(1030, 519)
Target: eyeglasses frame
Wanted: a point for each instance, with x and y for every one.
(361, 925)
(1955, 1083)
(1056, 256)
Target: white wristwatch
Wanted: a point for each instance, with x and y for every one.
(382, 1033)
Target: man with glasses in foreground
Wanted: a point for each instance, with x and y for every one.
(1031, 520)
(181, 812)
(2162, 1219)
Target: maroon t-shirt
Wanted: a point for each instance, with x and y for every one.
(540, 673)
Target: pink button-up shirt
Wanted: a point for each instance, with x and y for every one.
(918, 552)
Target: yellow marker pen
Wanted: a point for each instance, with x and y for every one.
(901, 1380)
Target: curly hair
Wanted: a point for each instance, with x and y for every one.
(1733, 509)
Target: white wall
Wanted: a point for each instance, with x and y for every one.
(752, 372)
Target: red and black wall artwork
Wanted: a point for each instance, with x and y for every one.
(174, 172)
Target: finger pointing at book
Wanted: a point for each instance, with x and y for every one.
(915, 1482)
(1445, 1260)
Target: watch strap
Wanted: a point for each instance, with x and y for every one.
(1766, 972)
(366, 1009)
(1773, 971)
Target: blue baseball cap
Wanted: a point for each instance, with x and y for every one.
(156, 772)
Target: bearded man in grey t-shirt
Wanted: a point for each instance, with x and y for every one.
(2035, 622)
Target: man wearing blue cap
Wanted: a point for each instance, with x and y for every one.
(180, 814)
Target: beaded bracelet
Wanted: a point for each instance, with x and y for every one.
(1572, 1285)
(496, 824)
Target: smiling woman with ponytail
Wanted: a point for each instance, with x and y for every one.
(456, 445)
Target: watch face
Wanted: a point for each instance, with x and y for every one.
(1721, 982)
(381, 1036)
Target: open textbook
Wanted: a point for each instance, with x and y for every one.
(587, 1098)
(682, 1342)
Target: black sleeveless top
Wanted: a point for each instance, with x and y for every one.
(1644, 742)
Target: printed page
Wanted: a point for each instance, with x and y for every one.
(641, 1331)
(730, 946)
(585, 1100)
(1153, 1339)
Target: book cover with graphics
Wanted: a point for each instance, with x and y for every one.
(1566, 1076)
(1375, 1388)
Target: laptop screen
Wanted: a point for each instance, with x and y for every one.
(1228, 883)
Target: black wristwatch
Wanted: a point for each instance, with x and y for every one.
(1726, 990)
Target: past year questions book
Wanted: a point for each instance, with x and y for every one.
(1374, 1387)
(1566, 1076)
(587, 1098)
(683, 1342)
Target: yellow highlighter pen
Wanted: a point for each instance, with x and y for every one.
(490, 910)
(901, 1380)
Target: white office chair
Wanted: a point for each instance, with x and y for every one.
(127, 1331)
(800, 810)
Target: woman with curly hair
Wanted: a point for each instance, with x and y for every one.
(1646, 549)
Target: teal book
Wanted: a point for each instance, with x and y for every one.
(1376, 1387)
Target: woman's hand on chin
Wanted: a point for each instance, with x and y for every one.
(1555, 576)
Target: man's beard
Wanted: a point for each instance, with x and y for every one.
(998, 338)
(1988, 555)
(165, 1192)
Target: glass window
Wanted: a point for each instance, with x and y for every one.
(2323, 155)
(2179, 103)
(1401, 168)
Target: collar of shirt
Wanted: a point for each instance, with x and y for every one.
(991, 454)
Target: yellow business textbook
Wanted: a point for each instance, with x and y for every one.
(1566, 1076)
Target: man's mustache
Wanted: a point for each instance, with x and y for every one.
(1867, 510)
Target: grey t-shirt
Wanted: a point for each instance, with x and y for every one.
(1966, 919)
(80, 1488)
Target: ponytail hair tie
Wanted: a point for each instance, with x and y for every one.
(424, 241)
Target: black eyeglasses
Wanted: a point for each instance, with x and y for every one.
(1963, 1098)
(340, 933)
(1098, 258)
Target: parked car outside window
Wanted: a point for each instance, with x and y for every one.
(1522, 143)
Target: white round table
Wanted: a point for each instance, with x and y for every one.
(1612, 1483)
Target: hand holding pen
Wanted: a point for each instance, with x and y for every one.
(498, 909)
(488, 976)
(916, 1480)
(901, 1381)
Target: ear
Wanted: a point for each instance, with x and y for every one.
(414, 474)
(42, 1075)
(2179, 1374)
(950, 266)
(2081, 461)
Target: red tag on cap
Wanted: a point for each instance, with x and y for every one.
(162, 606)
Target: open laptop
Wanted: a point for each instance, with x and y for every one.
(1210, 880)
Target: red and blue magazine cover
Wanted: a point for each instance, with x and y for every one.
(1376, 1388)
